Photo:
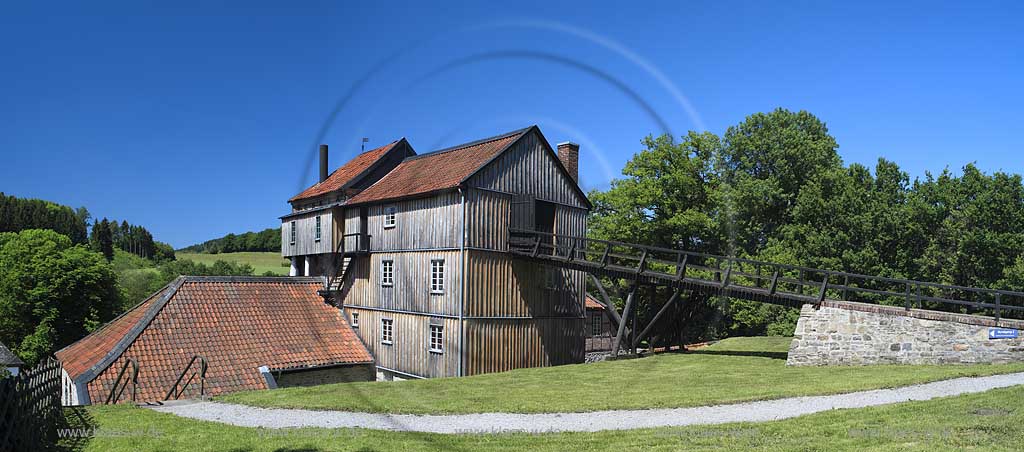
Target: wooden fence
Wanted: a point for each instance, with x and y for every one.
(30, 408)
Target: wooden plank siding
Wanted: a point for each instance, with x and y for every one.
(497, 345)
(432, 222)
(353, 225)
(411, 289)
(528, 168)
(305, 235)
(488, 215)
(410, 351)
(499, 285)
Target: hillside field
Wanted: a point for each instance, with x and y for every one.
(262, 261)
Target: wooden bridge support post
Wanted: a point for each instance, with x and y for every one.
(626, 311)
(609, 308)
(650, 326)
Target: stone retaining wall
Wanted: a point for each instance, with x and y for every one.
(849, 333)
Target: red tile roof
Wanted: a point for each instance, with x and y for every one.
(346, 174)
(237, 323)
(436, 171)
(592, 303)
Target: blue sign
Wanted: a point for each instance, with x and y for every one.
(1002, 333)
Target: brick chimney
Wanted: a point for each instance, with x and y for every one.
(323, 162)
(569, 154)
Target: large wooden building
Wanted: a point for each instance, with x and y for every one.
(415, 247)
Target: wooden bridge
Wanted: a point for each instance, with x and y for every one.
(767, 282)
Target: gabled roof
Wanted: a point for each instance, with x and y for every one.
(438, 170)
(349, 173)
(237, 323)
(8, 358)
(592, 303)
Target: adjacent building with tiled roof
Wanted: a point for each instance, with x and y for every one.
(253, 332)
(417, 258)
(599, 329)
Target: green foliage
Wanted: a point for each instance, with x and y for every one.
(107, 235)
(265, 240)
(774, 188)
(102, 239)
(139, 278)
(163, 252)
(17, 214)
(52, 292)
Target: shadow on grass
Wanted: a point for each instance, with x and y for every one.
(772, 355)
(80, 423)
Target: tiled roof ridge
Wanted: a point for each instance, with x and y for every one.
(165, 294)
(383, 150)
(378, 148)
(259, 279)
(469, 144)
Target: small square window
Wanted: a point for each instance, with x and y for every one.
(390, 216)
(436, 338)
(387, 332)
(437, 276)
(318, 228)
(355, 320)
(291, 227)
(387, 273)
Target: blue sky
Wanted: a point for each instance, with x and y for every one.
(199, 119)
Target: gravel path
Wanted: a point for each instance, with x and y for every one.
(768, 410)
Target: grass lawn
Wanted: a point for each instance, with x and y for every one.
(990, 421)
(733, 370)
(261, 261)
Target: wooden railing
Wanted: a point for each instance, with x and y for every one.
(759, 280)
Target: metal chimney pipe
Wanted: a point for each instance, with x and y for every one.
(323, 162)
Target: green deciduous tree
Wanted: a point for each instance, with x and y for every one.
(51, 292)
(774, 188)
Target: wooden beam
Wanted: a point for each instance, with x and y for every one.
(625, 318)
(650, 325)
(681, 267)
(609, 308)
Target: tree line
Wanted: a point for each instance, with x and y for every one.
(265, 240)
(106, 235)
(774, 188)
(17, 214)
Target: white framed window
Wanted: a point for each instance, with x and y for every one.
(436, 338)
(355, 320)
(291, 228)
(595, 324)
(387, 331)
(318, 228)
(390, 217)
(387, 272)
(437, 276)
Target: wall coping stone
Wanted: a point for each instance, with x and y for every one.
(924, 314)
